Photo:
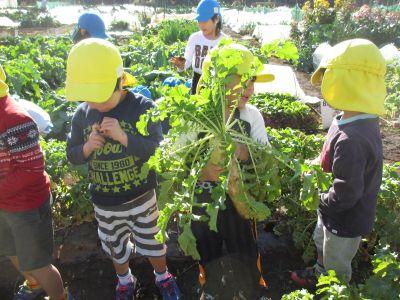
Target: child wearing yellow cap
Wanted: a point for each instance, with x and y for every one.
(352, 76)
(219, 275)
(26, 231)
(104, 135)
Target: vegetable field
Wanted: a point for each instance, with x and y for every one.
(271, 187)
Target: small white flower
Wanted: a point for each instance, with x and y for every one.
(12, 140)
(33, 133)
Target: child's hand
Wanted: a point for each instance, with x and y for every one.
(110, 128)
(211, 172)
(179, 62)
(95, 141)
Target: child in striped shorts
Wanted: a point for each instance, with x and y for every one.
(137, 217)
(104, 135)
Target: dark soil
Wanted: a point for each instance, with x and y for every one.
(391, 143)
(307, 123)
(90, 275)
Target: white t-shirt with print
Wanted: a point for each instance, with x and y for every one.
(197, 48)
(253, 116)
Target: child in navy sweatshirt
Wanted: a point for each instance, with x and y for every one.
(352, 81)
(104, 135)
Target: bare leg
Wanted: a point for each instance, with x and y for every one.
(121, 269)
(50, 279)
(32, 282)
(159, 263)
(47, 277)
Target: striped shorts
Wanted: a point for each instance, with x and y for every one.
(130, 226)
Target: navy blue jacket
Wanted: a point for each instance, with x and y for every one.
(114, 170)
(353, 153)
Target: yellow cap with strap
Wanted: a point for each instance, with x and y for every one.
(93, 67)
(353, 77)
(3, 85)
(229, 52)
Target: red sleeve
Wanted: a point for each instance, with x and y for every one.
(26, 168)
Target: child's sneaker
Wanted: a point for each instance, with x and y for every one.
(24, 292)
(305, 278)
(126, 292)
(169, 289)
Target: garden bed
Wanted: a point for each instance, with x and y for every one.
(84, 267)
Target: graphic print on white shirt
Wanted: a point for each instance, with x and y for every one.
(197, 48)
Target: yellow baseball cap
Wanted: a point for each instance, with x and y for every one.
(353, 77)
(3, 85)
(93, 67)
(241, 61)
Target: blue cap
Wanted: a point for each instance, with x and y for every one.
(142, 90)
(207, 9)
(172, 81)
(93, 24)
(188, 83)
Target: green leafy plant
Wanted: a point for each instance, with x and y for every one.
(281, 110)
(32, 18)
(296, 143)
(248, 29)
(382, 285)
(119, 25)
(179, 162)
(392, 102)
(373, 23)
(345, 20)
(292, 219)
(171, 31)
(388, 207)
(69, 185)
(34, 66)
(298, 295)
(386, 276)
(282, 49)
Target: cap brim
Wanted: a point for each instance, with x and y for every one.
(97, 93)
(101, 35)
(264, 76)
(316, 77)
(130, 80)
